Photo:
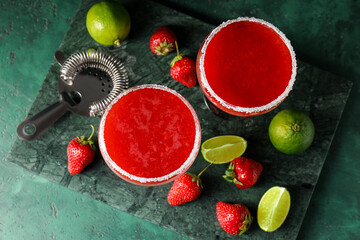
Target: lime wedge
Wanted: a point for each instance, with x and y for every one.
(273, 208)
(223, 149)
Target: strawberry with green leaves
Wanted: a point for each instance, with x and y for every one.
(80, 152)
(244, 172)
(162, 41)
(186, 188)
(235, 219)
(183, 69)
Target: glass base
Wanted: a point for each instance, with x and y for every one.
(218, 112)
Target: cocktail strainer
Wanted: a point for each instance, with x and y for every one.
(89, 81)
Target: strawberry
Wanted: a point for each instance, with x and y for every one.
(80, 152)
(186, 188)
(183, 69)
(162, 41)
(244, 172)
(235, 219)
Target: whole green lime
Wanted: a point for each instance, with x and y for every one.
(108, 23)
(291, 131)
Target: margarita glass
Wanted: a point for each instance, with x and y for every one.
(246, 67)
(149, 135)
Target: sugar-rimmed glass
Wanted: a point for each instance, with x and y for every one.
(231, 52)
(139, 121)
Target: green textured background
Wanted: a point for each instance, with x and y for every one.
(323, 33)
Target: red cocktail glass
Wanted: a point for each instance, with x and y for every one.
(149, 135)
(246, 67)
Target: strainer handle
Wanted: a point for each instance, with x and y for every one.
(60, 57)
(30, 129)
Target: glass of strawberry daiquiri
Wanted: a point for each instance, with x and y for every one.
(149, 135)
(245, 67)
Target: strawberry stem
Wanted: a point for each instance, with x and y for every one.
(92, 133)
(178, 57)
(84, 140)
(177, 48)
(196, 178)
(205, 169)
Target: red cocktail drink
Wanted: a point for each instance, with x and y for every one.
(149, 135)
(246, 67)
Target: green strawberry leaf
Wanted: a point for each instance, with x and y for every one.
(177, 58)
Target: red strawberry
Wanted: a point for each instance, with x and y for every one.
(233, 218)
(183, 69)
(244, 172)
(186, 188)
(162, 41)
(80, 152)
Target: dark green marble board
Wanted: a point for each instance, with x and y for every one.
(320, 94)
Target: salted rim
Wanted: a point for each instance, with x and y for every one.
(186, 165)
(239, 109)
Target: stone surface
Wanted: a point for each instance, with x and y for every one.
(318, 93)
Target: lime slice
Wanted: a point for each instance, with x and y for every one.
(273, 208)
(223, 149)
